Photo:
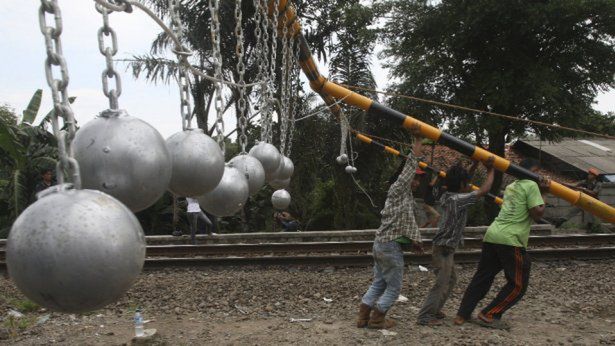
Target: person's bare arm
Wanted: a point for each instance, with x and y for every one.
(473, 169)
(537, 212)
(486, 187)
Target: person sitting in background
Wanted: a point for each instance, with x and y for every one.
(287, 221)
(455, 203)
(46, 180)
(590, 186)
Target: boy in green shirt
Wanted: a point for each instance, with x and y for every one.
(504, 248)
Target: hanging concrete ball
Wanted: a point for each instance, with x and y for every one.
(125, 157)
(197, 163)
(253, 170)
(342, 159)
(286, 169)
(75, 250)
(279, 184)
(274, 176)
(269, 156)
(229, 196)
(280, 199)
(350, 169)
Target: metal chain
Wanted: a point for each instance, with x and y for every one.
(272, 67)
(214, 9)
(182, 59)
(294, 107)
(264, 71)
(284, 87)
(241, 71)
(108, 52)
(62, 109)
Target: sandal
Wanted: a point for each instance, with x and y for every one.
(483, 321)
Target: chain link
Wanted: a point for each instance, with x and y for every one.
(265, 104)
(108, 52)
(214, 9)
(241, 71)
(295, 81)
(61, 105)
(182, 54)
(284, 79)
(272, 66)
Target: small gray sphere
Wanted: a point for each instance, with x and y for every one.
(280, 199)
(125, 157)
(269, 156)
(197, 163)
(342, 159)
(285, 170)
(252, 169)
(229, 196)
(75, 250)
(280, 184)
(350, 169)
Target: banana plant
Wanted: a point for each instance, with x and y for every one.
(25, 149)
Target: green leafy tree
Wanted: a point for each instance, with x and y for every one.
(541, 60)
(25, 150)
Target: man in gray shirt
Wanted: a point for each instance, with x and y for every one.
(455, 203)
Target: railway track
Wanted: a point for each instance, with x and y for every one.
(356, 253)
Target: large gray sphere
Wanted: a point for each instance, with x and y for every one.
(285, 170)
(280, 199)
(229, 196)
(252, 169)
(274, 175)
(269, 156)
(197, 163)
(280, 184)
(75, 250)
(124, 157)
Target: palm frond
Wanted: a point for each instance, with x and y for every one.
(154, 68)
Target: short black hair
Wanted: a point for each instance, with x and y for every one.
(46, 170)
(528, 163)
(456, 177)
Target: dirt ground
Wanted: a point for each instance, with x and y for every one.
(567, 303)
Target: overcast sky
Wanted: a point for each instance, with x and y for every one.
(23, 54)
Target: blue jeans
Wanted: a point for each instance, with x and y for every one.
(388, 276)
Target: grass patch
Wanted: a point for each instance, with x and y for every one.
(24, 305)
(16, 325)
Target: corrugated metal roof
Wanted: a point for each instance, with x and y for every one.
(582, 154)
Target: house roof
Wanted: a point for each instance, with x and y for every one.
(574, 155)
(443, 158)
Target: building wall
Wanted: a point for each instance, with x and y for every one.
(557, 207)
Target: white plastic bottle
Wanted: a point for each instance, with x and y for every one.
(139, 324)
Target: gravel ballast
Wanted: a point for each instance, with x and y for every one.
(566, 303)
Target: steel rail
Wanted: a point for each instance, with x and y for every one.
(366, 260)
(344, 247)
